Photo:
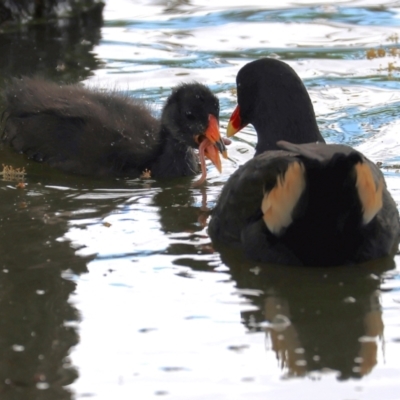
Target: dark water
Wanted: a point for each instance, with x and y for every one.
(111, 289)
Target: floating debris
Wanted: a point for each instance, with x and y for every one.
(389, 51)
(10, 173)
(146, 174)
(372, 53)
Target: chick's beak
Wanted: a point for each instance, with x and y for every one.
(213, 135)
(212, 142)
(235, 123)
(211, 152)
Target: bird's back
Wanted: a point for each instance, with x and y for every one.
(310, 204)
(79, 130)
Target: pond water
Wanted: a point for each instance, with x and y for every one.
(111, 289)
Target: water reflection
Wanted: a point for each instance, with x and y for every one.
(181, 208)
(60, 50)
(317, 320)
(38, 322)
(183, 215)
(313, 320)
(22, 11)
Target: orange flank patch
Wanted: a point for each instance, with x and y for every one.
(278, 204)
(370, 195)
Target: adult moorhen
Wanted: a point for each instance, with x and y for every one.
(89, 132)
(304, 202)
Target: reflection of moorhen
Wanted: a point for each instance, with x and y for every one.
(317, 319)
(312, 204)
(105, 134)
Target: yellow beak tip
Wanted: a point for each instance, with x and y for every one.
(230, 130)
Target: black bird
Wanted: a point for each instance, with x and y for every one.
(304, 202)
(272, 97)
(94, 133)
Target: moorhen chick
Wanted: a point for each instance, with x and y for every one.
(90, 132)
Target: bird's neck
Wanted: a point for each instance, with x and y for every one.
(297, 125)
(176, 159)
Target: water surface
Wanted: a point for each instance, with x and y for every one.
(111, 289)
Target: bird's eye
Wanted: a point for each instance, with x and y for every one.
(200, 97)
(189, 115)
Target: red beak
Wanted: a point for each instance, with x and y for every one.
(235, 123)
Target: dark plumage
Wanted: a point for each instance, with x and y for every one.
(306, 204)
(96, 133)
(275, 101)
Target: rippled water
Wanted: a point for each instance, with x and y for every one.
(111, 289)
